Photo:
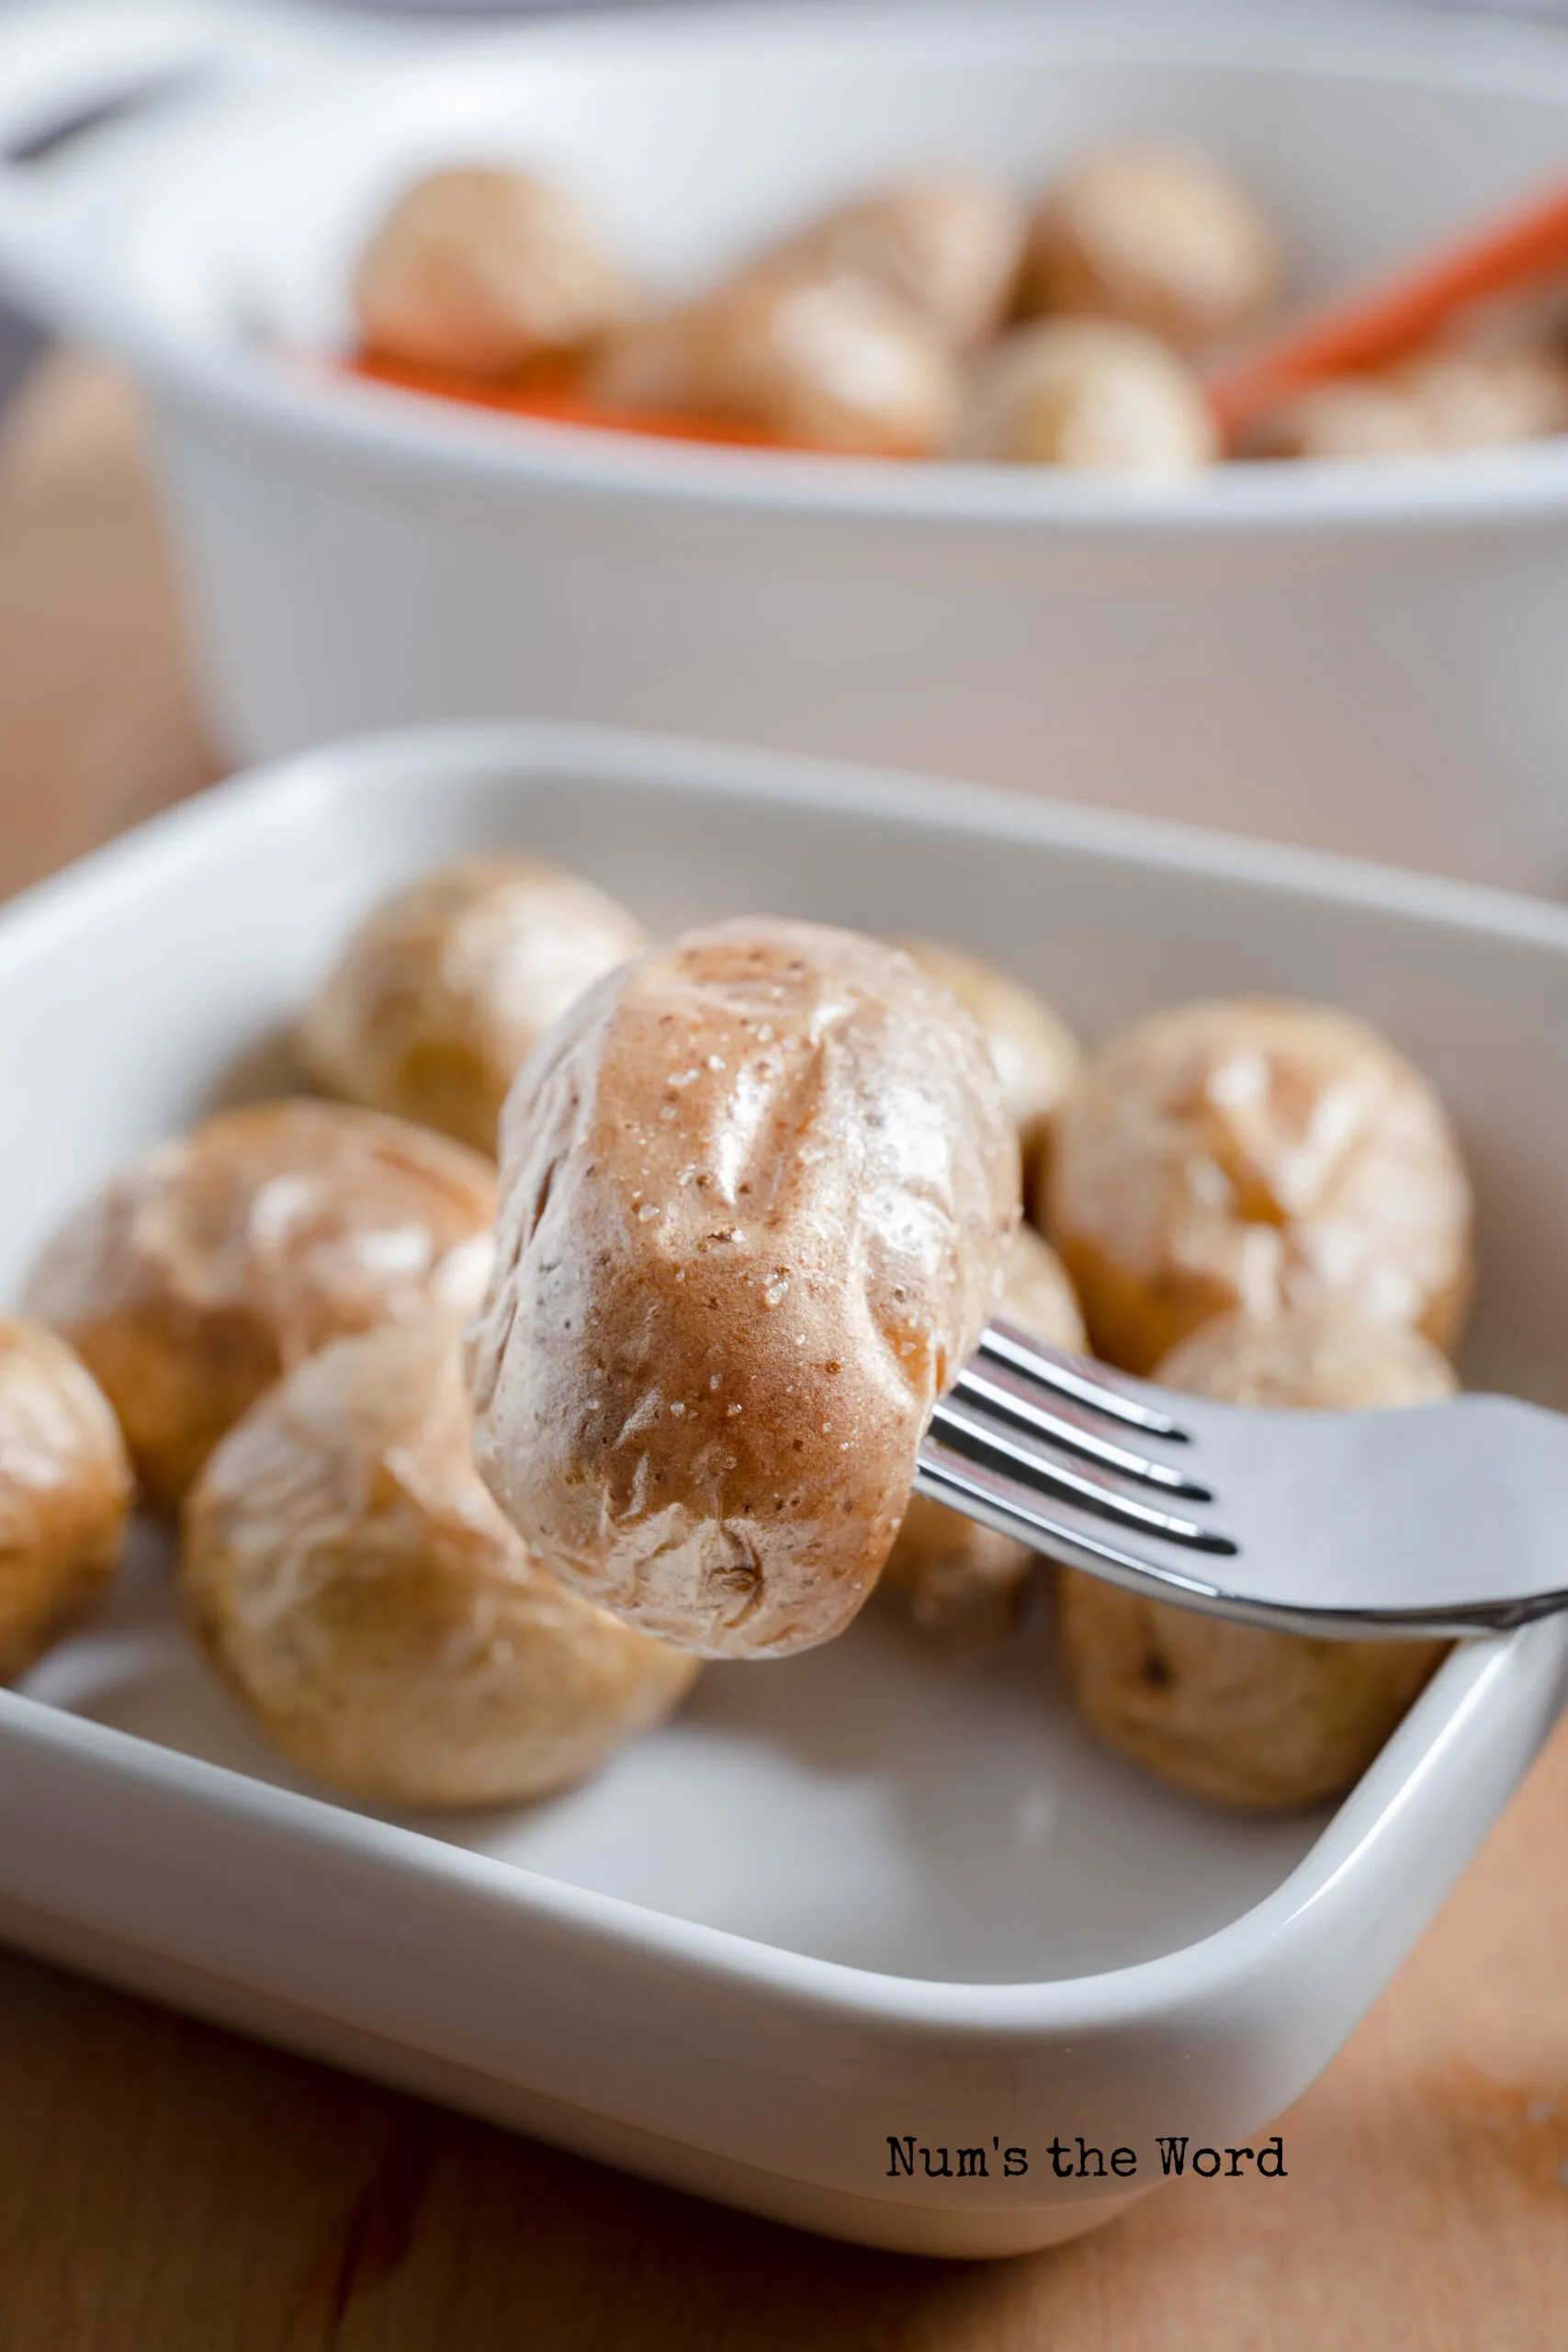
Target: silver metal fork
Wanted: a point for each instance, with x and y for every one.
(1435, 1519)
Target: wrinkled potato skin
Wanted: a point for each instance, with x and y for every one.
(214, 1263)
(348, 1576)
(1256, 1720)
(1253, 1154)
(1159, 237)
(478, 273)
(829, 363)
(65, 1492)
(947, 246)
(756, 1190)
(443, 992)
(1090, 396)
(959, 1580)
(1036, 1053)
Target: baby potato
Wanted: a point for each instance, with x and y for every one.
(1486, 401)
(350, 1578)
(1350, 416)
(65, 1490)
(442, 992)
(1091, 396)
(1036, 1053)
(830, 363)
(1254, 1155)
(1163, 238)
(958, 1578)
(1236, 1713)
(947, 246)
(1444, 400)
(212, 1263)
(478, 273)
(757, 1189)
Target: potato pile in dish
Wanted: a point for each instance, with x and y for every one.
(474, 1462)
(942, 316)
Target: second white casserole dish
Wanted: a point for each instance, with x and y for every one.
(1362, 657)
(870, 1893)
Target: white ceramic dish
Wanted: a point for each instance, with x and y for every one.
(1361, 656)
(869, 1892)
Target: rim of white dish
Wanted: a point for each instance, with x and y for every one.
(426, 439)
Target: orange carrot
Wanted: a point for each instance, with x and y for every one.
(553, 392)
(1388, 321)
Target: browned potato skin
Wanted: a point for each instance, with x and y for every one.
(1252, 1154)
(1257, 1719)
(440, 995)
(214, 1263)
(830, 363)
(1090, 396)
(959, 1580)
(947, 246)
(756, 1192)
(348, 1576)
(478, 273)
(1163, 238)
(65, 1490)
(1036, 1053)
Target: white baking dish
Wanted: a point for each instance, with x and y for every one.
(1362, 657)
(870, 1892)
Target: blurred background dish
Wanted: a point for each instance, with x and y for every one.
(1354, 656)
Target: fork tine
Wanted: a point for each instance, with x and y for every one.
(1006, 1396)
(1037, 1473)
(999, 1502)
(1004, 1343)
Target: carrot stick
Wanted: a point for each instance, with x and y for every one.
(1388, 321)
(554, 395)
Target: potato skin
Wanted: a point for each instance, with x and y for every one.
(208, 1266)
(65, 1492)
(829, 363)
(757, 1189)
(1242, 1716)
(947, 246)
(1091, 396)
(1445, 400)
(958, 1578)
(1036, 1053)
(348, 1576)
(1161, 237)
(480, 272)
(1253, 1154)
(440, 994)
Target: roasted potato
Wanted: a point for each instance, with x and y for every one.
(1091, 396)
(1445, 400)
(830, 363)
(213, 1263)
(958, 1578)
(1163, 238)
(1036, 1053)
(440, 993)
(1236, 1713)
(757, 1189)
(1253, 1154)
(947, 246)
(347, 1574)
(65, 1490)
(479, 273)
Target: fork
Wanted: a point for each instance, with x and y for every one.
(1445, 1518)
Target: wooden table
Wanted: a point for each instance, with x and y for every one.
(166, 2187)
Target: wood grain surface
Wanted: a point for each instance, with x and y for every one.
(166, 2187)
